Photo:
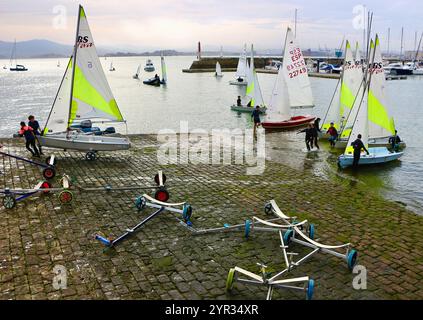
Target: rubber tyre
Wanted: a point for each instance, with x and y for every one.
(156, 179)
(90, 156)
(268, 209)
(162, 195)
(9, 201)
(65, 196)
(187, 212)
(311, 231)
(287, 237)
(230, 279)
(352, 259)
(49, 173)
(247, 228)
(140, 203)
(45, 186)
(310, 289)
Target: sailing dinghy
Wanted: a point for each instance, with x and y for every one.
(84, 95)
(241, 70)
(155, 81)
(253, 92)
(362, 121)
(137, 74)
(381, 125)
(111, 67)
(346, 91)
(218, 72)
(292, 90)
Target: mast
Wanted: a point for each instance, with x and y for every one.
(402, 43)
(389, 39)
(75, 49)
(295, 23)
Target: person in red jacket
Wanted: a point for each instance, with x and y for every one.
(333, 134)
(29, 135)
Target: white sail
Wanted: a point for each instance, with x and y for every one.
(164, 70)
(241, 70)
(218, 69)
(333, 115)
(91, 94)
(380, 123)
(279, 108)
(138, 70)
(253, 88)
(58, 118)
(296, 74)
(360, 126)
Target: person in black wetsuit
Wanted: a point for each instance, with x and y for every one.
(255, 115)
(308, 136)
(314, 136)
(238, 102)
(37, 130)
(394, 141)
(358, 145)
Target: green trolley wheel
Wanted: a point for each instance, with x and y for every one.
(65, 196)
(230, 280)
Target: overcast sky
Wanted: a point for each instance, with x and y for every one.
(180, 24)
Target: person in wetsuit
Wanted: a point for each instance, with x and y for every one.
(37, 130)
(255, 115)
(314, 136)
(308, 135)
(394, 141)
(29, 135)
(238, 102)
(358, 145)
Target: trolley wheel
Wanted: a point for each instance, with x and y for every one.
(310, 289)
(156, 179)
(268, 208)
(140, 203)
(187, 213)
(230, 279)
(9, 201)
(48, 161)
(65, 196)
(310, 231)
(49, 173)
(287, 237)
(247, 228)
(91, 156)
(162, 195)
(352, 259)
(46, 186)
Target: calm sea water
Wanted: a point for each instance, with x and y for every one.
(204, 102)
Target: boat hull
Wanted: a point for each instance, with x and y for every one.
(149, 69)
(246, 109)
(83, 142)
(292, 123)
(376, 155)
(373, 143)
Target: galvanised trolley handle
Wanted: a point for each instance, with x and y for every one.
(129, 232)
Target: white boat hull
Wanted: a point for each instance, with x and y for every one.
(83, 142)
(376, 156)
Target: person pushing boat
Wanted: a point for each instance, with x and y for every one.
(315, 135)
(28, 133)
(358, 145)
(255, 115)
(37, 130)
(308, 136)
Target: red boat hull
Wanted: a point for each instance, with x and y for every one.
(294, 122)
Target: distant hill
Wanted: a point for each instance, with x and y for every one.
(35, 49)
